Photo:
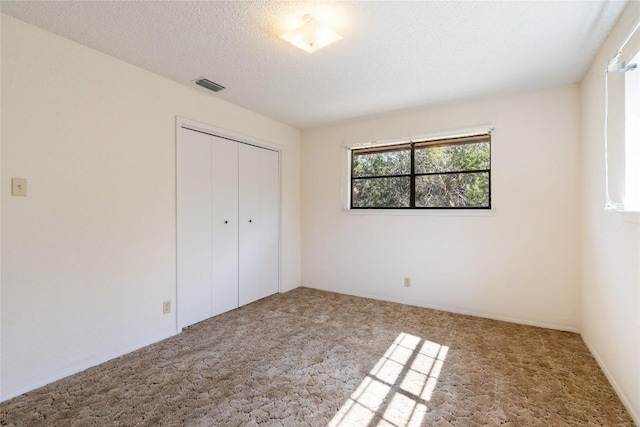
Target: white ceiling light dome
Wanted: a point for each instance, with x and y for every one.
(311, 35)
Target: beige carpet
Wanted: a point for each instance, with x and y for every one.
(317, 358)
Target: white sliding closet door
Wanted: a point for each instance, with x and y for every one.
(194, 228)
(250, 272)
(228, 225)
(270, 222)
(259, 223)
(224, 225)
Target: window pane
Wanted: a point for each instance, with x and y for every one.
(453, 158)
(381, 192)
(382, 163)
(468, 190)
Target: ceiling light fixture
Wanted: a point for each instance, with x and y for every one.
(311, 35)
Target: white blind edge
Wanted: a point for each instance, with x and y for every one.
(459, 133)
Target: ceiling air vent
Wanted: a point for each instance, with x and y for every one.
(209, 85)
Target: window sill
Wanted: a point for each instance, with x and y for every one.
(629, 216)
(423, 212)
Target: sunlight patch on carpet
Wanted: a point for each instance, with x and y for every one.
(396, 391)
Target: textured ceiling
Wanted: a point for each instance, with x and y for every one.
(394, 55)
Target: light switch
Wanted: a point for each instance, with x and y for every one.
(18, 186)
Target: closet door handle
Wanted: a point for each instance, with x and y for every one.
(250, 220)
(226, 222)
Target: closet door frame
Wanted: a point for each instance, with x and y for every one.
(186, 123)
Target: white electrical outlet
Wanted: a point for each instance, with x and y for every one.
(18, 186)
(407, 282)
(166, 307)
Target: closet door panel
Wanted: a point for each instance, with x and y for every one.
(269, 222)
(224, 225)
(228, 225)
(249, 224)
(194, 228)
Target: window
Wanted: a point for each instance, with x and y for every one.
(452, 173)
(632, 137)
(622, 126)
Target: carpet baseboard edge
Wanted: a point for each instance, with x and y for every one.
(451, 310)
(634, 415)
(71, 370)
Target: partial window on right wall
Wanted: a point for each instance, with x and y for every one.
(632, 137)
(622, 126)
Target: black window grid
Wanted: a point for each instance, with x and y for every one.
(412, 175)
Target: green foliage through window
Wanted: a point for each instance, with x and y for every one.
(444, 174)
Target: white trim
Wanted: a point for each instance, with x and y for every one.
(225, 133)
(634, 415)
(423, 212)
(629, 216)
(71, 370)
(458, 133)
(347, 201)
(454, 310)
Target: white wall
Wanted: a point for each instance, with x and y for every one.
(90, 254)
(610, 242)
(520, 263)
